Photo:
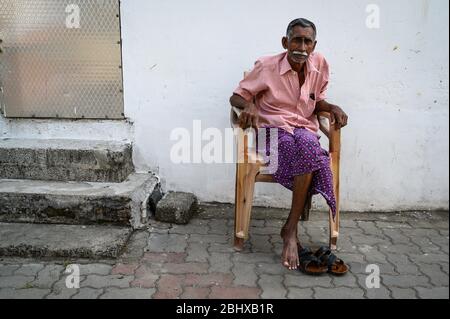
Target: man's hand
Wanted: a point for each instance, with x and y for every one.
(249, 117)
(338, 116)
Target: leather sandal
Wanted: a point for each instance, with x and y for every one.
(310, 264)
(334, 265)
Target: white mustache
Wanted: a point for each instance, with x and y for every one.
(300, 53)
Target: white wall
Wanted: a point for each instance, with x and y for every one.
(182, 60)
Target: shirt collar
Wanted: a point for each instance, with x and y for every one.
(286, 67)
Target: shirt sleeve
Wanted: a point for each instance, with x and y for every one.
(325, 75)
(252, 84)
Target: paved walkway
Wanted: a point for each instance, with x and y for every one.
(197, 261)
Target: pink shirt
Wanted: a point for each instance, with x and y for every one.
(279, 99)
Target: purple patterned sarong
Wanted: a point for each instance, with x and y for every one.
(298, 154)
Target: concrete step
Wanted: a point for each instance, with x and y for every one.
(65, 160)
(80, 203)
(33, 240)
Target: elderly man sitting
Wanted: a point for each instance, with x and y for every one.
(286, 91)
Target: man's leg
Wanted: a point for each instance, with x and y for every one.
(289, 256)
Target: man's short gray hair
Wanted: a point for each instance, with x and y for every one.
(304, 23)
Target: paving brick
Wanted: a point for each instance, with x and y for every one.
(297, 279)
(195, 293)
(128, 293)
(234, 293)
(96, 281)
(348, 224)
(392, 225)
(197, 252)
(433, 293)
(8, 270)
(186, 268)
(164, 257)
(419, 232)
(378, 293)
(397, 237)
(436, 275)
(167, 243)
(338, 293)
(145, 281)
(405, 281)
(244, 274)
(145, 277)
(124, 269)
(426, 245)
(218, 227)
(429, 258)
(271, 269)
(263, 230)
(372, 254)
(370, 228)
(16, 281)
(254, 257)
(95, 269)
(402, 264)
(169, 287)
(400, 249)
(189, 229)
(359, 240)
(403, 293)
(260, 244)
(48, 276)
(223, 239)
(220, 262)
(444, 267)
(207, 280)
(272, 287)
(274, 223)
(61, 291)
(88, 293)
(348, 280)
(29, 269)
(221, 248)
(300, 293)
(31, 293)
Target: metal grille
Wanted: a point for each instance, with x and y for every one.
(49, 70)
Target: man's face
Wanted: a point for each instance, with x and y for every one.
(300, 43)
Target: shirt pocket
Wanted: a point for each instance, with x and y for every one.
(310, 107)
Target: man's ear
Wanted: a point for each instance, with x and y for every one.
(314, 47)
(284, 42)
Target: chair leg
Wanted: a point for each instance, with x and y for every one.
(245, 185)
(334, 224)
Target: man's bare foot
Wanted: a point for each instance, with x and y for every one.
(289, 256)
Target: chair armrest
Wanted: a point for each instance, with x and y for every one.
(324, 123)
(333, 134)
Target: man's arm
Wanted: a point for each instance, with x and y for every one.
(249, 114)
(337, 114)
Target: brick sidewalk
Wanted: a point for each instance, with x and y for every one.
(197, 261)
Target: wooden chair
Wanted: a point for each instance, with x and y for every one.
(248, 172)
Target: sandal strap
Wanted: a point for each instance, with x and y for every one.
(306, 257)
(323, 250)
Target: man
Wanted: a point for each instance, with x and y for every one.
(288, 90)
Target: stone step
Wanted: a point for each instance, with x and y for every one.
(129, 203)
(65, 160)
(33, 240)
